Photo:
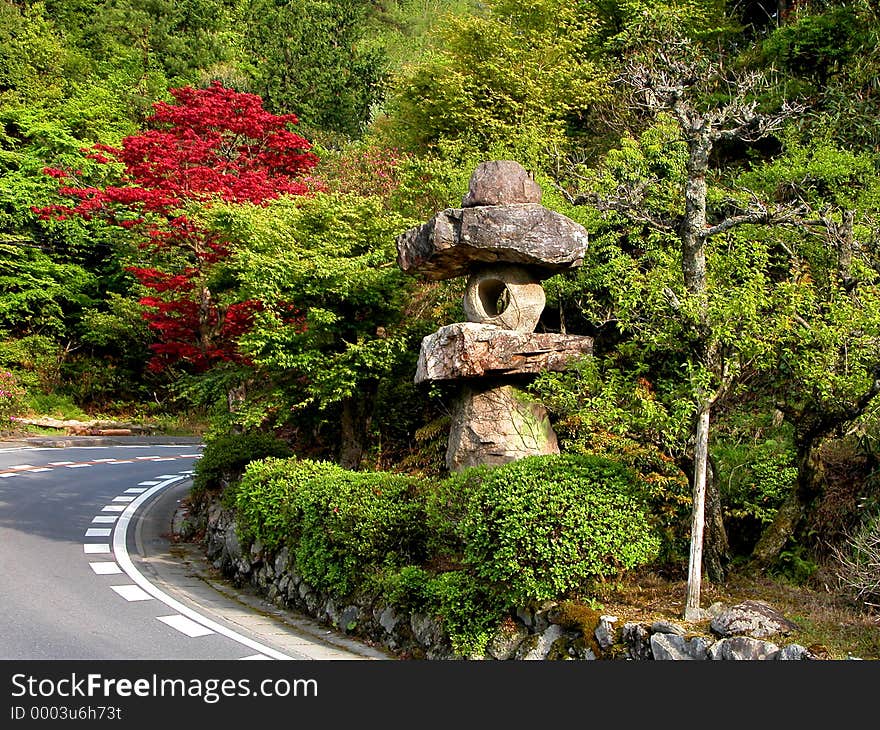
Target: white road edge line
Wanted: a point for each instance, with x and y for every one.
(120, 550)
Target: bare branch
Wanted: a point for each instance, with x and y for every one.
(672, 79)
(759, 213)
(628, 200)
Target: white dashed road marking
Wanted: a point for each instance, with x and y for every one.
(96, 547)
(106, 567)
(8, 471)
(132, 593)
(185, 625)
(186, 621)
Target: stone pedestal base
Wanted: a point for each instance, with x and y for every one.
(495, 424)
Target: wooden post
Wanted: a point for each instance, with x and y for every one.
(695, 565)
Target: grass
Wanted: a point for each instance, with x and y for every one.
(830, 624)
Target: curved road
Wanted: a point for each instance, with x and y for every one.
(85, 571)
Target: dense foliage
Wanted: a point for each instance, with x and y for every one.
(189, 252)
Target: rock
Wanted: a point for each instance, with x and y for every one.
(538, 646)
(331, 611)
(457, 240)
(637, 641)
(795, 652)
(281, 561)
(425, 630)
(743, 648)
(666, 647)
(232, 547)
(506, 640)
(578, 649)
(501, 182)
(349, 618)
(604, 632)
(751, 618)
(526, 616)
(509, 297)
(695, 614)
(667, 627)
(388, 619)
(496, 425)
(471, 350)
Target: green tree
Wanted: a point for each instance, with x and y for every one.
(60, 276)
(312, 57)
(334, 323)
(824, 372)
(708, 105)
(514, 77)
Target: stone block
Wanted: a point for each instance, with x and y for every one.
(457, 241)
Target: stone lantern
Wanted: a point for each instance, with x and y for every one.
(506, 243)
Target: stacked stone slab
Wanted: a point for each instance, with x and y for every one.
(506, 243)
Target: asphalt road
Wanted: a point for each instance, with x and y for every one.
(87, 570)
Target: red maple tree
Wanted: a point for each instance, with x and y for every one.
(212, 144)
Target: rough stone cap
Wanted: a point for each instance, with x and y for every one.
(458, 240)
(501, 182)
(472, 350)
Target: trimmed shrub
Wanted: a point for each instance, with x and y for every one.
(226, 456)
(465, 549)
(470, 613)
(542, 527)
(341, 526)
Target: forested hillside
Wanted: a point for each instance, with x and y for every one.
(199, 201)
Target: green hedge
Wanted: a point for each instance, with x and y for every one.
(542, 527)
(465, 548)
(226, 456)
(341, 526)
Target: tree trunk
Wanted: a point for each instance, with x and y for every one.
(693, 264)
(356, 418)
(716, 550)
(693, 242)
(790, 514)
(235, 398)
(695, 563)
